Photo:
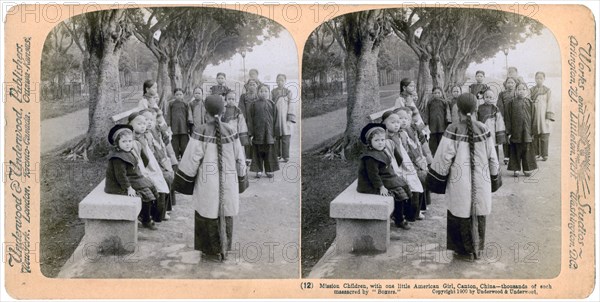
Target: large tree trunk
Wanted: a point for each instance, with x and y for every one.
(163, 81)
(362, 37)
(423, 78)
(363, 98)
(192, 77)
(197, 75)
(175, 72)
(103, 44)
(437, 72)
(105, 101)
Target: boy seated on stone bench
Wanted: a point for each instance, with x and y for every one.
(125, 172)
(376, 173)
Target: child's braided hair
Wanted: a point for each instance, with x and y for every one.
(467, 104)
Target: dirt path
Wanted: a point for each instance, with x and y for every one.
(523, 235)
(318, 129)
(265, 239)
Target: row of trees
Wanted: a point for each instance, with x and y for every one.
(183, 40)
(445, 40)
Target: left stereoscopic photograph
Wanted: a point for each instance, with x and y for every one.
(169, 146)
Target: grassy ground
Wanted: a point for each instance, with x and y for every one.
(130, 95)
(322, 181)
(316, 107)
(61, 229)
(55, 108)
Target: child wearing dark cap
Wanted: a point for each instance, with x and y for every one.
(376, 173)
(125, 172)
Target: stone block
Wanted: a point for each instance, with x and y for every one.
(351, 204)
(111, 236)
(362, 221)
(104, 206)
(362, 236)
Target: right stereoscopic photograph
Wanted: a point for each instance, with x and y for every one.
(431, 146)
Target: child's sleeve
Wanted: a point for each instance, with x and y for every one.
(439, 170)
(192, 157)
(549, 107)
(250, 120)
(493, 164)
(120, 169)
(507, 117)
(242, 130)
(169, 114)
(500, 129)
(372, 167)
(190, 116)
(291, 114)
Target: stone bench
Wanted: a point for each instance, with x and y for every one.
(110, 220)
(362, 221)
(374, 117)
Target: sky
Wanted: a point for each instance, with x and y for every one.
(273, 56)
(538, 53)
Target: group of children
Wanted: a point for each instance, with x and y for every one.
(142, 161)
(404, 147)
(147, 150)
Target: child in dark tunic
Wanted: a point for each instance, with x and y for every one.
(505, 97)
(376, 174)
(436, 118)
(246, 99)
(178, 119)
(221, 88)
(478, 88)
(124, 175)
(519, 124)
(261, 127)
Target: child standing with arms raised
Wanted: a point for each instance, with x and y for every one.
(468, 193)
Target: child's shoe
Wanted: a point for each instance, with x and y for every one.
(527, 174)
(403, 225)
(285, 160)
(167, 217)
(149, 225)
(258, 174)
(544, 158)
(270, 175)
(421, 216)
(516, 174)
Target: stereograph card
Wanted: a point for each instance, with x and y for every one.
(315, 150)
